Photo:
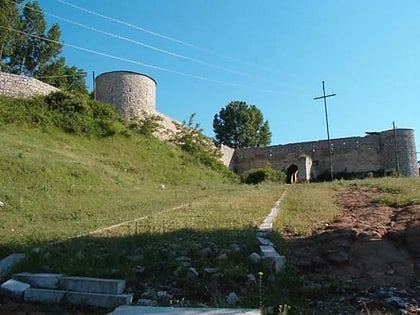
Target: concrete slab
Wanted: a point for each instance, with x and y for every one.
(136, 310)
(272, 258)
(49, 296)
(6, 264)
(39, 280)
(264, 241)
(46, 296)
(92, 285)
(98, 299)
(14, 288)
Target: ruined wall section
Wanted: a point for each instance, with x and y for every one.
(129, 92)
(373, 152)
(13, 85)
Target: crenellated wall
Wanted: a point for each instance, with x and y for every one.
(372, 153)
(13, 85)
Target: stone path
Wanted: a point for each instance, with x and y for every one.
(268, 251)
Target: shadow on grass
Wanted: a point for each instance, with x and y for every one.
(186, 267)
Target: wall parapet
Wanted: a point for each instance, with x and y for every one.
(13, 85)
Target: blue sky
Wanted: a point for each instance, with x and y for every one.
(272, 53)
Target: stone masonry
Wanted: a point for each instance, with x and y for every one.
(13, 85)
(375, 152)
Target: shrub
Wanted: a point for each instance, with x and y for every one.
(259, 175)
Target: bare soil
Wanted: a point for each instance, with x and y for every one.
(366, 261)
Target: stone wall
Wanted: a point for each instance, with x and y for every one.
(372, 153)
(13, 85)
(129, 92)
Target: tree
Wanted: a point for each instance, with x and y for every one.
(240, 125)
(35, 46)
(28, 47)
(9, 19)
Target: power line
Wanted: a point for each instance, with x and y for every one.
(164, 51)
(167, 37)
(197, 77)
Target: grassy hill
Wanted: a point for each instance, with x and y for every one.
(69, 167)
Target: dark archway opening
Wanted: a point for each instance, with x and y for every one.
(292, 174)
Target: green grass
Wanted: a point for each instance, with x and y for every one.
(306, 207)
(56, 186)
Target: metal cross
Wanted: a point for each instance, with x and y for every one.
(326, 120)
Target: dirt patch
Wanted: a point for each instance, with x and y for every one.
(367, 259)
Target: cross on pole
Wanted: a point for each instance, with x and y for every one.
(326, 121)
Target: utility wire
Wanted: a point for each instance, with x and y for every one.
(166, 37)
(156, 48)
(197, 77)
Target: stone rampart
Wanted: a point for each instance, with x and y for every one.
(372, 153)
(13, 85)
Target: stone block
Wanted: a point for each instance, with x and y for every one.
(39, 280)
(272, 258)
(136, 310)
(92, 285)
(264, 241)
(6, 264)
(46, 296)
(98, 299)
(14, 288)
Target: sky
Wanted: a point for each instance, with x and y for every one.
(274, 54)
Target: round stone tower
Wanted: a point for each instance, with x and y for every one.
(399, 148)
(129, 92)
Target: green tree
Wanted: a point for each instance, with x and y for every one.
(35, 46)
(66, 78)
(9, 20)
(28, 47)
(240, 125)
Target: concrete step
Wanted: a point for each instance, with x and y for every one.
(14, 288)
(92, 285)
(39, 280)
(49, 296)
(7, 263)
(46, 296)
(273, 259)
(137, 310)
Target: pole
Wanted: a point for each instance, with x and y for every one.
(94, 85)
(397, 157)
(328, 128)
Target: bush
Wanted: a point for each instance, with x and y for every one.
(74, 113)
(259, 175)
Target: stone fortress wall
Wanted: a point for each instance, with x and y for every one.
(13, 85)
(372, 153)
(132, 93)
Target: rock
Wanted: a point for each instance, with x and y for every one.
(139, 269)
(223, 256)
(338, 258)
(251, 277)
(164, 295)
(232, 298)
(255, 258)
(183, 259)
(135, 258)
(192, 273)
(210, 270)
(146, 302)
(235, 248)
(205, 252)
